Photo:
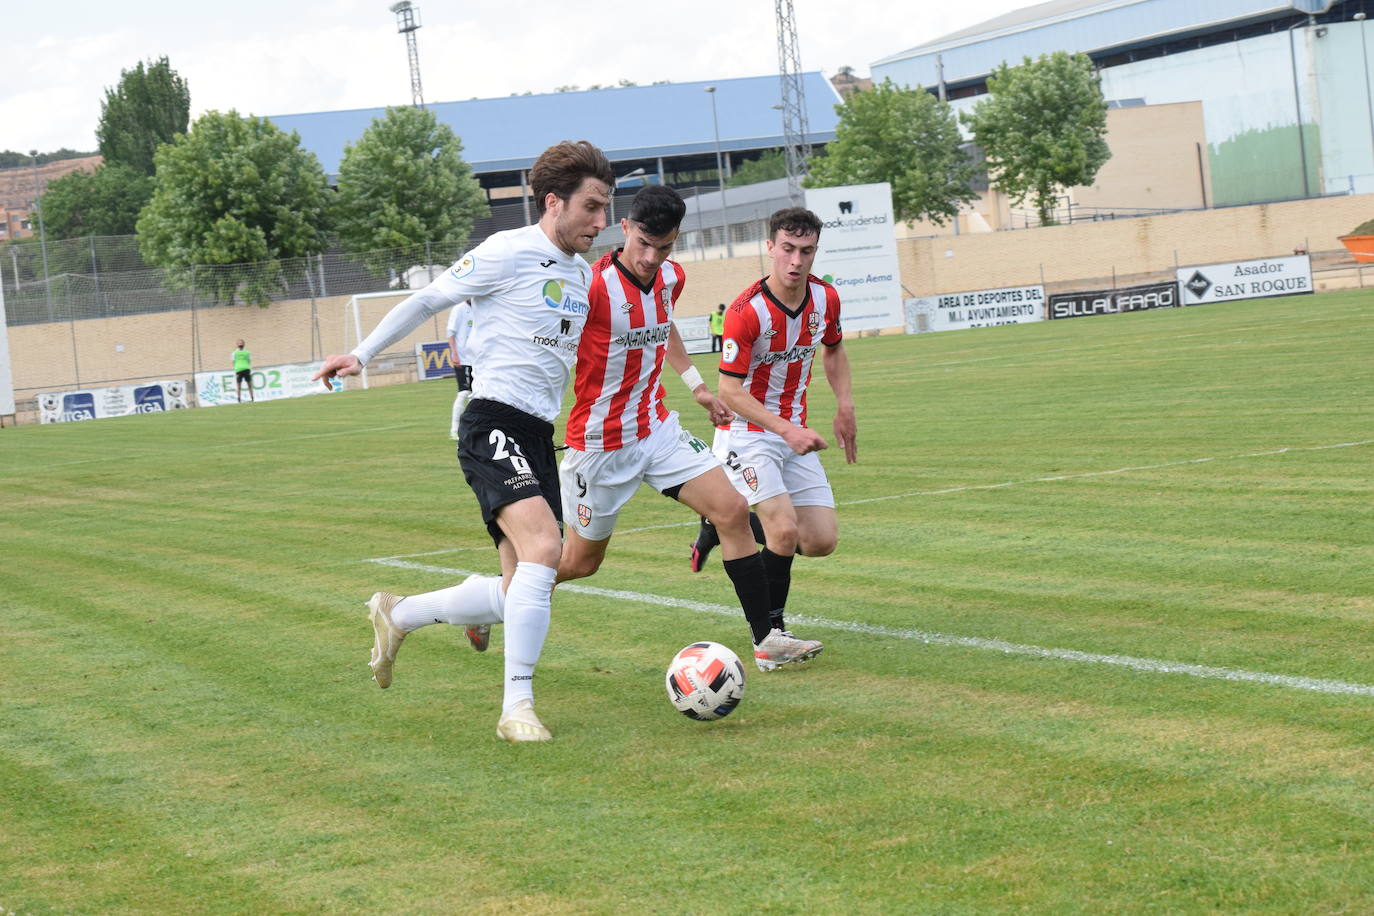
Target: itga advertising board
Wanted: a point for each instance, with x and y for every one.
(980, 308)
(1256, 279)
(858, 253)
(1114, 301)
(269, 384)
(119, 401)
(433, 360)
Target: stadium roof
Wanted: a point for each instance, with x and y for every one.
(1090, 26)
(631, 124)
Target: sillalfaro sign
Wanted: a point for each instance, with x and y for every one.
(1259, 279)
(1114, 301)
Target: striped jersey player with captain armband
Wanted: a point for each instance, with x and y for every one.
(529, 293)
(772, 332)
(621, 433)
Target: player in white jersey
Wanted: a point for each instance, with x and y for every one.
(772, 332)
(529, 293)
(459, 330)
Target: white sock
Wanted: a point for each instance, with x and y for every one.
(527, 623)
(477, 599)
(459, 403)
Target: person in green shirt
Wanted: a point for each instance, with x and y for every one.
(717, 327)
(243, 372)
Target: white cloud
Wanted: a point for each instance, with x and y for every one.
(267, 57)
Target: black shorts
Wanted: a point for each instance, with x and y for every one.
(243, 375)
(464, 376)
(506, 456)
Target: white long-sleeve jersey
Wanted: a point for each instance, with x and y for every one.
(529, 304)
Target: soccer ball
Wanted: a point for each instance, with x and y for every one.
(705, 681)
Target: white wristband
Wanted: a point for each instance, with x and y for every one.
(692, 378)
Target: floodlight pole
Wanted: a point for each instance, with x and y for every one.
(720, 176)
(42, 238)
(407, 23)
(795, 131)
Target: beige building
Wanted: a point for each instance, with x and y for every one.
(1158, 162)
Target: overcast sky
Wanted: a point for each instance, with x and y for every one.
(289, 56)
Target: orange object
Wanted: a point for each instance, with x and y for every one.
(1361, 246)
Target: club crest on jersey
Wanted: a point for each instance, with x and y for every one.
(464, 267)
(584, 515)
(813, 321)
(663, 296)
(751, 479)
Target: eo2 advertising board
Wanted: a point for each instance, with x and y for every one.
(858, 253)
(269, 384)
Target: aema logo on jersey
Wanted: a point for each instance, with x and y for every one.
(555, 298)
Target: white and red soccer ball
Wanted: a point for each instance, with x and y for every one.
(705, 681)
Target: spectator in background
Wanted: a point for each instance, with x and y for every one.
(243, 372)
(717, 327)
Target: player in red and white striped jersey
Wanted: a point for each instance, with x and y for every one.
(772, 332)
(620, 433)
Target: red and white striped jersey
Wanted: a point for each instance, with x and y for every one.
(619, 398)
(771, 347)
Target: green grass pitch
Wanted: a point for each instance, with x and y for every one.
(1040, 600)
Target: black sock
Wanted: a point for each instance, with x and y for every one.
(779, 571)
(757, 526)
(751, 585)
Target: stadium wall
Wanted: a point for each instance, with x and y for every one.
(108, 351)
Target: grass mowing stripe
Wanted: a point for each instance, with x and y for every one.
(1146, 665)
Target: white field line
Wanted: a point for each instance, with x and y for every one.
(1126, 470)
(1144, 665)
(972, 487)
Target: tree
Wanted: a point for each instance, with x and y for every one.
(402, 184)
(234, 191)
(1042, 128)
(104, 202)
(148, 108)
(771, 164)
(906, 137)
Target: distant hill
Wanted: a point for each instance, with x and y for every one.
(20, 186)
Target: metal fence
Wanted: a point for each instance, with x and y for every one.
(106, 276)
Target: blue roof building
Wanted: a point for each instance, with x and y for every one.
(660, 129)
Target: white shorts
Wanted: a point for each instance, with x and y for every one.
(761, 465)
(597, 485)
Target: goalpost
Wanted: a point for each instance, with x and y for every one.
(356, 327)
